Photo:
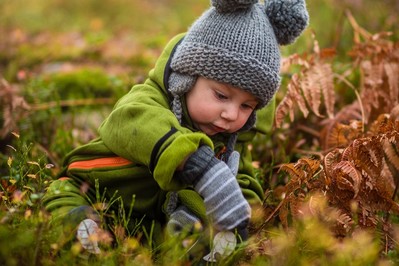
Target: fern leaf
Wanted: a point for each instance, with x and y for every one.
(311, 165)
(293, 59)
(292, 170)
(347, 153)
(329, 161)
(327, 138)
(373, 78)
(390, 149)
(367, 156)
(384, 184)
(388, 176)
(394, 115)
(326, 81)
(295, 204)
(381, 125)
(345, 221)
(299, 99)
(337, 136)
(392, 70)
(292, 97)
(285, 106)
(348, 178)
(311, 89)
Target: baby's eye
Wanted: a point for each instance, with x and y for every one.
(220, 95)
(247, 106)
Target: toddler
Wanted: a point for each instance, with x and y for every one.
(174, 150)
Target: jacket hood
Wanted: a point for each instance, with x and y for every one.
(161, 71)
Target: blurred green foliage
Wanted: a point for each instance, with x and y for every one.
(149, 21)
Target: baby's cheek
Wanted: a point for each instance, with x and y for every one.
(242, 122)
(237, 126)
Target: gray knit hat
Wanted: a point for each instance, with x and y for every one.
(237, 42)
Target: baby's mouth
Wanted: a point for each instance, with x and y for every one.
(218, 129)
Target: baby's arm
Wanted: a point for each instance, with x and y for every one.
(143, 129)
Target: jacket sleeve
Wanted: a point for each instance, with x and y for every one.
(143, 129)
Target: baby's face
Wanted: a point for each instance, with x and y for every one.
(216, 107)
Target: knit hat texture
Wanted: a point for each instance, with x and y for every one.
(237, 42)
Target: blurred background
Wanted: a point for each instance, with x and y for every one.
(131, 32)
(71, 60)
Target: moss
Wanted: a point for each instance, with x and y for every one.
(86, 83)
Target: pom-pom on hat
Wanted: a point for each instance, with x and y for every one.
(237, 42)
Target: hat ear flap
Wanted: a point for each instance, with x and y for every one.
(179, 84)
(250, 122)
(288, 18)
(226, 6)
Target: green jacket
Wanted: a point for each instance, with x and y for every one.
(143, 144)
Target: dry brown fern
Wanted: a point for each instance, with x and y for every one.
(371, 158)
(339, 135)
(301, 181)
(378, 61)
(358, 172)
(356, 180)
(308, 88)
(375, 57)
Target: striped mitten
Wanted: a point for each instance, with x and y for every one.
(216, 183)
(182, 219)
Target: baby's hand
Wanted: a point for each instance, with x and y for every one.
(183, 220)
(216, 183)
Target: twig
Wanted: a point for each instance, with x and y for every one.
(71, 103)
(358, 30)
(270, 216)
(309, 130)
(316, 153)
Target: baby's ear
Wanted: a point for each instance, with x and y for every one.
(226, 6)
(288, 18)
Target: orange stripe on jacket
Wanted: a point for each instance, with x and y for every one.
(100, 162)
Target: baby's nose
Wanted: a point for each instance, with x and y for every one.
(230, 113)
